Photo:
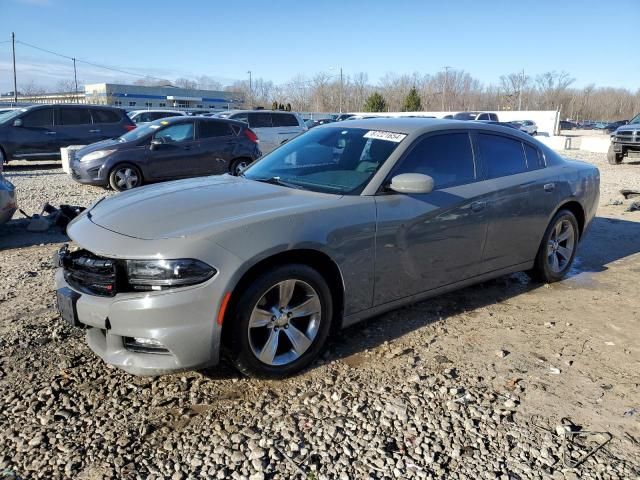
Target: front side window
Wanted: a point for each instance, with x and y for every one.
(74, 116)
(502, 156)
(212, 128)
(448, 159)
(331, 160)
(181, 132)
(259, 120)
(42, 117)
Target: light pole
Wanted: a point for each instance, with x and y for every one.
(444, 87)
(15, 82)
(250, 89)
(520, 91)
(341, 86)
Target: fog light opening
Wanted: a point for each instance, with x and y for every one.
(144, 345)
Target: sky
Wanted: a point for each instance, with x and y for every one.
(279, 39)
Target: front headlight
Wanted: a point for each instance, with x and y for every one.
(162, 274)
(95, 155)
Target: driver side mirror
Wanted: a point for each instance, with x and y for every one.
(17, 122)
(415, 183)
(155, 143)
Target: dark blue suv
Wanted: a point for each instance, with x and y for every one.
(38, 132)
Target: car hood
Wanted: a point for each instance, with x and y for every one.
(629, 127)
(101, 145)
(199, 206)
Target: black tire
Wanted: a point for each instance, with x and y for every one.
(237, 165)
(240, 346)
(543, 270)
(614, 158)
(115, 179)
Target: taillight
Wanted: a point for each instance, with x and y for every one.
(251, 135)
(128, 128)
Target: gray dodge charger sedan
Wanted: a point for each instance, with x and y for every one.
(340, 224)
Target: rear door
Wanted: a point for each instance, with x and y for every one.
(106, 124)
(36, 137)
(426, 241)
(286, 126)
(179, 153)
(521, 202)
(261, 124)
(217, 144)
(74, 127)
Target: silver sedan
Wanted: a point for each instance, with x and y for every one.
(340, 224)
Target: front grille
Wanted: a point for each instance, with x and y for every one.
(90, 273)
(628, 136)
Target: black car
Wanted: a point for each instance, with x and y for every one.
(38, 132)
(613, 126)
(167, 149)
(567, 125)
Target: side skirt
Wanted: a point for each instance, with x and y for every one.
(386, 307)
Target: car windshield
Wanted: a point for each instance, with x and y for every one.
(330, 160)
(142, 131)
(635, 119)
(6, 116)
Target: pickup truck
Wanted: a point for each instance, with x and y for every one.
(625, 142)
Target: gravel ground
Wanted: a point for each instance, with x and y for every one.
(472, 384)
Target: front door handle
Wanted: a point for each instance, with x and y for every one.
(50, 133)
(549, 187)
(95, 131)
(478, 206)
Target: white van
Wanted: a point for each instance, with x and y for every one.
(273, 128)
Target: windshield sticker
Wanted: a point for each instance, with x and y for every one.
(154, 126)
(164, 122)
(388, 136)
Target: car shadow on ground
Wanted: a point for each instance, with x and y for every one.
(14, 234)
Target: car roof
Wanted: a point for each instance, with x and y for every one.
(230, 112)
(418, 126)
(177, 112)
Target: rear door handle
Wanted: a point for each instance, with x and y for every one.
(549, 187)
(478, 206)
(95, 131)
(50, 133)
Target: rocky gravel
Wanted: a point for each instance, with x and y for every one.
(473, 384)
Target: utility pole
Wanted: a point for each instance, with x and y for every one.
(250, 90)
(444, 88)
(15, 82)
(520, 91)
(341, 87)
(75, 78)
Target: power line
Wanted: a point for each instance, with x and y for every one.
(113, 69)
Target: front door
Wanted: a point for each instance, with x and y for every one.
(178, 153)
(431, 240)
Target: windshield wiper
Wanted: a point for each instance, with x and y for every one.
(278, 181)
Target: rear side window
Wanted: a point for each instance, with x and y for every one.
(74, 116)
(42, 117)
(105, 116)
(212, 128)
(534, 160)
(259, 120)
(448, 159)
(502, 156)
(284, 120)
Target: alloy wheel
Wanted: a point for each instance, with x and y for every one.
(561, 245)
(126, 178)
(284, 322)
(239, 167)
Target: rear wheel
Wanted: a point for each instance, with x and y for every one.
(613, 157)
(238, 165)
(281, 322)
(558, 248)
(125, 176)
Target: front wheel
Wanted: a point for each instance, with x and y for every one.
(612, 157)
(281, 322)
(558, 248)
(125, 177)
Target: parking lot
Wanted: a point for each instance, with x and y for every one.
(472, 382)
